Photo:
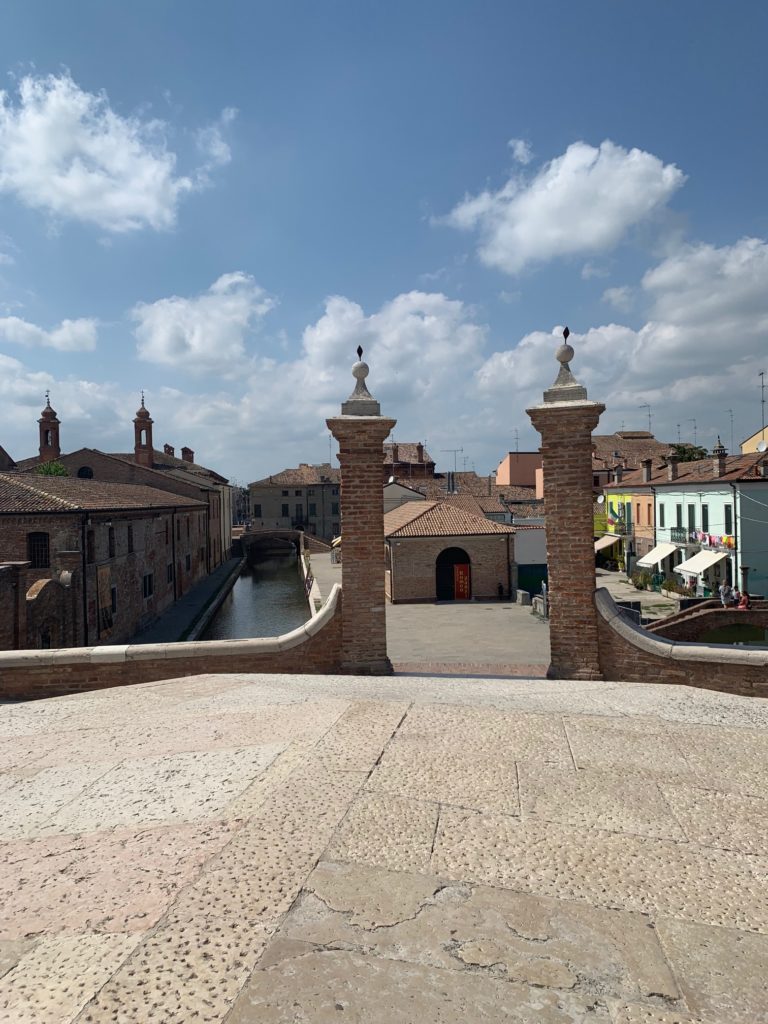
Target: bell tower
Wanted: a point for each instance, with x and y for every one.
(144, 453)
(50, 449)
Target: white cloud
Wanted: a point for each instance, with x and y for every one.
(581, 202)
(69, 336)
(206, 333)
(521, 151)
(67, 152)
(211, 141)
(590, 270)
(621, 297)
(6, 260)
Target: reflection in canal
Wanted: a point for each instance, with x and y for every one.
(266, 600)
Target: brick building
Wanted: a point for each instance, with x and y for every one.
(147, 466)
(305, 498)
(90, 562)
(440, 552)
(408, 460)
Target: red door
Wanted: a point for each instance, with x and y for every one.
(461, 590)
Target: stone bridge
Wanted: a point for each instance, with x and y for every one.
(696, 622)
(249, 542)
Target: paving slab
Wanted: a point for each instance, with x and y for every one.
(206, 848)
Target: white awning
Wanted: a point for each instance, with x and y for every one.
(657, 555)
(700, 562)
(605, 542)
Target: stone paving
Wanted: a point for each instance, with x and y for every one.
(309, 849)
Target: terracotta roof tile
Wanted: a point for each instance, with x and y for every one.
(737, 468)
(28, 493)
(303, 475)
(438, 519)
(407, 451)
(633, 445)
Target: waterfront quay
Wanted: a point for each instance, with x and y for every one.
(371, 850)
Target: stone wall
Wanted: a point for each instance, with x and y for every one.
(314, 647)
(414, 558)
(13, 627)
(631, 654)
(51, 615)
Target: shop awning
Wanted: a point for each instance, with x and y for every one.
(657, 555)
(605, 542)
(700, 562)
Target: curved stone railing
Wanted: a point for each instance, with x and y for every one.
(629, 653)
(313, 647)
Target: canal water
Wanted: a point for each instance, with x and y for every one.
(752, 636)
(267, 600)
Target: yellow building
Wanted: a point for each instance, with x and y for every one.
(751, 443)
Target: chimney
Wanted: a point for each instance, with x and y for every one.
(647, 465)
(395, 454)
(618, 473)
(672, 461)
(718, 465)
(419, 452)
(187, 455)
(168, 449)
(762, 469)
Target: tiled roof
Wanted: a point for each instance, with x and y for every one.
(530, 511)
(470, 483)
(737, 467)
(407, 451)
(6, 462)
(29, 493)
(479, 505)
(633, 445)
(303, 475)
(438, 519)
(163, 462)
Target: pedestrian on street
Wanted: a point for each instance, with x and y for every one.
(725, 593)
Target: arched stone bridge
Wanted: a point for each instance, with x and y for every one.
(248, 542)
(696, 622)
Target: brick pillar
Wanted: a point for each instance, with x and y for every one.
(361, 431)
(565, 421)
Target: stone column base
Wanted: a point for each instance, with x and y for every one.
(579, 673)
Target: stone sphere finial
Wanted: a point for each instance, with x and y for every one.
(361, 402)
(565, 352)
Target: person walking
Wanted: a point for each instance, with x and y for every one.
(725, 593)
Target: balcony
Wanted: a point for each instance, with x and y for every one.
(679, 535)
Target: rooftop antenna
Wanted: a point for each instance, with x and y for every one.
(464, 460)
(645, 405)
(761, 375)
(330, 449)
(517, 440)
(693, 421)
(455, 453)
(678, 433)
(730, 413)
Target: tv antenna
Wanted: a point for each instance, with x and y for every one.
(645, 405)
(517, 440)
(730, 413)
(455, 453)
(761, 375)
(693, 421)
(678, 433)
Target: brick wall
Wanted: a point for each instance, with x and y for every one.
(697, 622)
(12, 606)
(414, 558)
(51, 615)
(631, 654)
(314, 647)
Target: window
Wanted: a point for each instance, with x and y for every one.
(38, 550)
(113, 594)
(637, 513)
(334, 508)
(335, 529)
(334, 490)
(679, 516)
(111, 537)
(299, 512)
(85, 473)
(257, 511)
(130, 538)
(595, 483)
(285, 513)
(311, 491)
(705, 518)
(297, 494)
(285, 494)
(90, 547)
(649, 510)
(188, 562)
(691, 517)
(168, 573)
(661, 516)
(728, 509)
(312, 508)
(148, 584)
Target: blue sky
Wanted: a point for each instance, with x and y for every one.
(218, 202)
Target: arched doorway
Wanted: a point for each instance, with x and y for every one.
(453, 575)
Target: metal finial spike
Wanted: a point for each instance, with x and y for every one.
(566, 334)
(142, 398)
(359, 351)
(48, 398)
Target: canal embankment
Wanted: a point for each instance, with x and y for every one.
(192, 613)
